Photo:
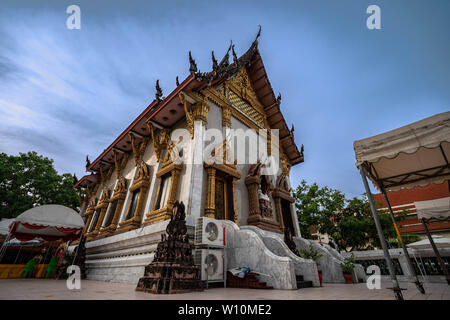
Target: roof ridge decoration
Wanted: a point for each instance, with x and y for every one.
(192, 64)
(225, 70)
(215, 64)
(225, 60)
(159, 93)
(189, 115)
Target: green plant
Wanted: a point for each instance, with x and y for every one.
(312, 254)
(349, 264)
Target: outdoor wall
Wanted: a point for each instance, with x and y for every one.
(421, 258)
(123, 257)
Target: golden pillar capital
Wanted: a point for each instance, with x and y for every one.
(226, 116)
(200, 111)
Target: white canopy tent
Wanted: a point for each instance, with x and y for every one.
(414, 155)
(433, 210)
(439, 241)
(49, 222)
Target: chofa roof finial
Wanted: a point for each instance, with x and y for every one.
(192, 64)
(224, 61)
(214, 61)
(258, 35)
(177, 81)
(279, 98)
(158, 93)
(235, 58)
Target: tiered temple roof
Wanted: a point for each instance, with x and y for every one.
(166, 111)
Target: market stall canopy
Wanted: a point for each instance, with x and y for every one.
(49, 222)
(414, 155)
(439, 241)
(433, 210)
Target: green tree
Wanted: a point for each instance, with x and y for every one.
(317, 207)
(349, 223)
(29, 180)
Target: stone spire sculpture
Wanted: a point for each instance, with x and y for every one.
(172, 269)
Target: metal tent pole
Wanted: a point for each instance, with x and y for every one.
(405, 251)
(396, 287)
(436, 252)
(17, 256)
(4, 246)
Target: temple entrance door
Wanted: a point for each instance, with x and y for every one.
(287, 216)
(223, 199)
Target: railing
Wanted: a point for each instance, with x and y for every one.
(430, 265)
(381, 263)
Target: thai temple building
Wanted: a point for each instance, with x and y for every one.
(167, 154)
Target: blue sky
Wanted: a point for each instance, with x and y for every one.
(67, 93)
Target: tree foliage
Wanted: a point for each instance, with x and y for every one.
(348, 222)
(29, 180)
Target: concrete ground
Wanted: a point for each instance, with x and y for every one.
(43, 289)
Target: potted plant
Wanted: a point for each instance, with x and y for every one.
(314, 255)
(347, 268)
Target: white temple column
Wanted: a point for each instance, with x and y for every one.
(197, 172)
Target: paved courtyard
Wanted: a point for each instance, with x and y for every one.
(26, 289)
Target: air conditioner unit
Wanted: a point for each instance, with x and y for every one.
(211, 263)
(210, 232)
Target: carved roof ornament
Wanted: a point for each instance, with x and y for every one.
(177, 81)
(257, 36)
(159, 93)
(192, 64)
(225, 70)
(88, 162)
(279, 98)
(105, 176)
(119, 165)
(235, 58)
(225, 60)
(75, 179)
(159, 139)
(215, 65)
(189, 115)
(292, 129)
(138, 150)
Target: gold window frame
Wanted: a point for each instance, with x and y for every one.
(119, 195)
(101, 208)
(164, 213)
(141, 182)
